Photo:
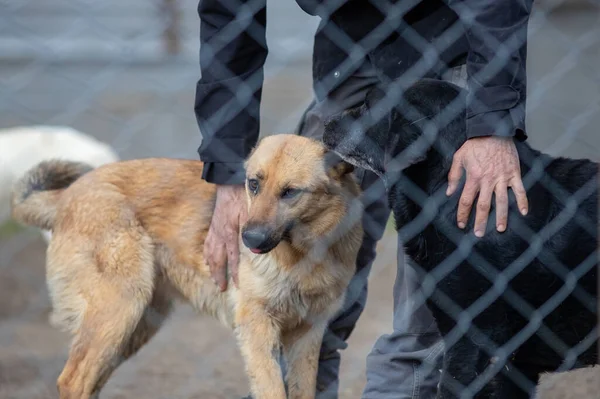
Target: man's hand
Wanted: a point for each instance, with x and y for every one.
(221, 247)
(492, 165)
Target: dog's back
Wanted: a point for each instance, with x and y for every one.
(531, 290)
(545, 263)
(114, 221)
(563, 192)
(582, 383)
(24, 146)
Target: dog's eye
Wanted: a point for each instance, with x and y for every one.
(290, 193)
(253, 185)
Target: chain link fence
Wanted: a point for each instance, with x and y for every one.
(126, 72)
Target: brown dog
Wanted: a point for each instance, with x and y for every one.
(128, 238)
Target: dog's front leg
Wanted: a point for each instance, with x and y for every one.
(259, 340)
(302, 346)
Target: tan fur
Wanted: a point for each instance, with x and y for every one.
(46, 180)
(582, 383)
(128, 238)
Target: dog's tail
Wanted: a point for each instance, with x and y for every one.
(35, 196)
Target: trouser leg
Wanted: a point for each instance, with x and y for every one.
(405, 364)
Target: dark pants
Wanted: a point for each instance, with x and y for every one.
(403, 364)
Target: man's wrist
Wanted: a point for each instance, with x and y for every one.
(230, 187)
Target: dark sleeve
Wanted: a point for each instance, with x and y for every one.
(233, 50)
(496, 32)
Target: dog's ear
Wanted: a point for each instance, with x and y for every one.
(372, 148)
(378, 105)
(359, 138)
(335, 166)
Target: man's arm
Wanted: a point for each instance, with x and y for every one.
(496, 31)
(496, 67)
(233, 51)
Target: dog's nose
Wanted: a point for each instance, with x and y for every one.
(257, 239)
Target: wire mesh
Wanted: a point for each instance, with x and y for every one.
(126, 74)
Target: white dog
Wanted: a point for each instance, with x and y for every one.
(23, 147)
(583, 383)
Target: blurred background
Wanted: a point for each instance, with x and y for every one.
(125, 73)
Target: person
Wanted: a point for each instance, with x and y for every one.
(477, 44)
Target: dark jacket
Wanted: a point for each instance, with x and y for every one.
(418, 39)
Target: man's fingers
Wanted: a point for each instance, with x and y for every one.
(484, 203)
(221, 247)
(454, 175)
(501, 193)
(243, 218)
(207, 253)
(466, 202)
(218, 266)
(517, 186)
(233, 257)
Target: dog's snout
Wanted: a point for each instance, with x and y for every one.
(255, 237)
(258, 239)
